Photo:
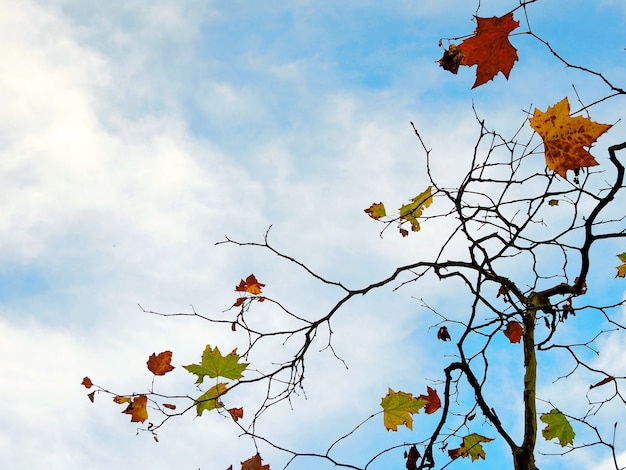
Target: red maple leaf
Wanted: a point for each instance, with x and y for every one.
(434, 403)
(514, 331)
(490, 48)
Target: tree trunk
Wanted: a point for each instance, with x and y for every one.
(524, 456)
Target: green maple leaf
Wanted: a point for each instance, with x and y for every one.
(557, 427)
(470, 447)
(411, 211)
(214, 365)
(209, 400)
(398, 408)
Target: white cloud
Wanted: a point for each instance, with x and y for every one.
(113, 197)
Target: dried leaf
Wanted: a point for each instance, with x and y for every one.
(137, 409)
(169, 406)
(87, 382)
(564, 137)
(411, 458)
(254, 463)
(443, 334)
(604, 381)
(250, 285)
(432, 399)
(92, 396)
(160, 364)
(236, 413)
(490, 48)
(451, 59)
(514, 331)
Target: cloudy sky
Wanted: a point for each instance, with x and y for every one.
(135, 135)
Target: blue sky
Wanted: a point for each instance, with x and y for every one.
(134, 136)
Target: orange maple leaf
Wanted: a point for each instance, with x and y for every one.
(564, 137)
(236, 413)
(160, 364)
(137, 409)
(490, 48)
(87, 382)
(250, 285)
(254, 463)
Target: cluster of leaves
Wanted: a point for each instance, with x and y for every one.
(212, 364)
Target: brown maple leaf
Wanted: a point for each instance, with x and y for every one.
(254, 463)
(87, 382)
(443, 334)
(160, 364)
(490, 48)
(451, 59)
(411, 458)
(250, 285)
(564, 137)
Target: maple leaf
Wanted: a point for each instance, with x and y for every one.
(564, 137)
(209, 400)
(557, 427)
(137, 409)
(214, 365)
(514, 331)
(411, 211)
(398, 408)
(236, 413)
(553, 202)
(471, 447)
(169, 406)
(92, 396)
(490, 48)
(250, 285)
(254, 463)
(443, 334)
(433, 401)
(87, 382)
(411, 458)
(621, 269)
(376, 211)
(451, 59)
(160, 364)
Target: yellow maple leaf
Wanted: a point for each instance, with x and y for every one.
(398, 408)
(564, 137)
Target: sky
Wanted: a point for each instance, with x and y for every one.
(135, 136)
